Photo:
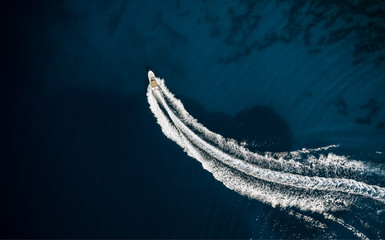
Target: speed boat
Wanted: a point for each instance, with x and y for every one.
(152, 80)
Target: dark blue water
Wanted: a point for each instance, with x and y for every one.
(83, 156)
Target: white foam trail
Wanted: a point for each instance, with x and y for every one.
(167, 128)
(332, 165)
(298, 181)
(275, 179)
(238, 183)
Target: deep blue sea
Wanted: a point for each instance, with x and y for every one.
(83, 156)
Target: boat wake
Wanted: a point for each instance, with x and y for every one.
(305, 183)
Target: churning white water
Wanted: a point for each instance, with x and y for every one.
(300, 179)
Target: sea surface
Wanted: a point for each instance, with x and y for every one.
(84, 157)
